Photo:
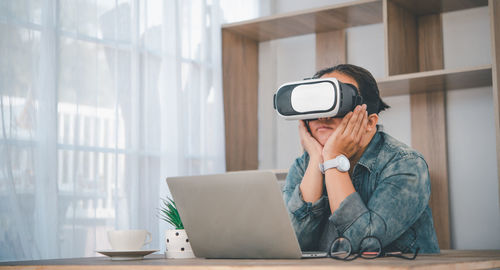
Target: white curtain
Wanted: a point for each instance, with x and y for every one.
(100, 102)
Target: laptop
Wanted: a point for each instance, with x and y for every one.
(236, 215)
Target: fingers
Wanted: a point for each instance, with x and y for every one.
(343, 124)
(304, 133)
(310, 144)
(355, 122)
(362, 127)
(302, 125)
(303, 128)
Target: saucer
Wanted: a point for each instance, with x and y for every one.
(125, 255)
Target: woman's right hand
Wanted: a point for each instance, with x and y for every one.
(311, 186)
(310, 144)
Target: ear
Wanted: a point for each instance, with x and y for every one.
(372, 122)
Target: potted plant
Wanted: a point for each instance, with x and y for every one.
(176, 240)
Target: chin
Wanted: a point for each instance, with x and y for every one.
(323, 138)
(322, 141)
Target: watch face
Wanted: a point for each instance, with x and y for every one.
(344, 164)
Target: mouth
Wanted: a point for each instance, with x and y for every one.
(323, 128)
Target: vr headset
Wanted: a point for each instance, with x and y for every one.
(317, 98)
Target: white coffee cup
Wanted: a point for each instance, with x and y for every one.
(128, 239)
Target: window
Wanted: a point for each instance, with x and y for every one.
(100, 101)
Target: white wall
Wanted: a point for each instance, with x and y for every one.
(280, 62)
(474, 213)
(474, 202)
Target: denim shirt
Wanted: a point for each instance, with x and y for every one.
(391, 202)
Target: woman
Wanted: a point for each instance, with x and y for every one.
(383, 194)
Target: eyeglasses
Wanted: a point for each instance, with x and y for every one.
(370, 248)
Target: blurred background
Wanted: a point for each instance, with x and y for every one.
(101, 100)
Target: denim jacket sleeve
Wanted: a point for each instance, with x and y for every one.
(400, 197)
(306, 217)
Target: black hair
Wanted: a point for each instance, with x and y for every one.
(367, 85)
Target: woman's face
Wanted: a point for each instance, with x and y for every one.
(322, 128)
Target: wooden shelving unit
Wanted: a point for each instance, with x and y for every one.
(414, 66)
(319, 20)
(436, 80)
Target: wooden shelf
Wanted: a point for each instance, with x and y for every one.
(311, 21)
(419, 7)
(336, 17)
(436, 80)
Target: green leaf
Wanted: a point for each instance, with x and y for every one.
(169, 213)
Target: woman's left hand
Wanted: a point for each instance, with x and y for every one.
(347, 137)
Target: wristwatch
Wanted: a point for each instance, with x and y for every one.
(341, 162)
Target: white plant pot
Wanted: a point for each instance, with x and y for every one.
(178, 246)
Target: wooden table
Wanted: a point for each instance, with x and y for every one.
(448, 259)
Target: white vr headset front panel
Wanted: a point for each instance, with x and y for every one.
(313, 95)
